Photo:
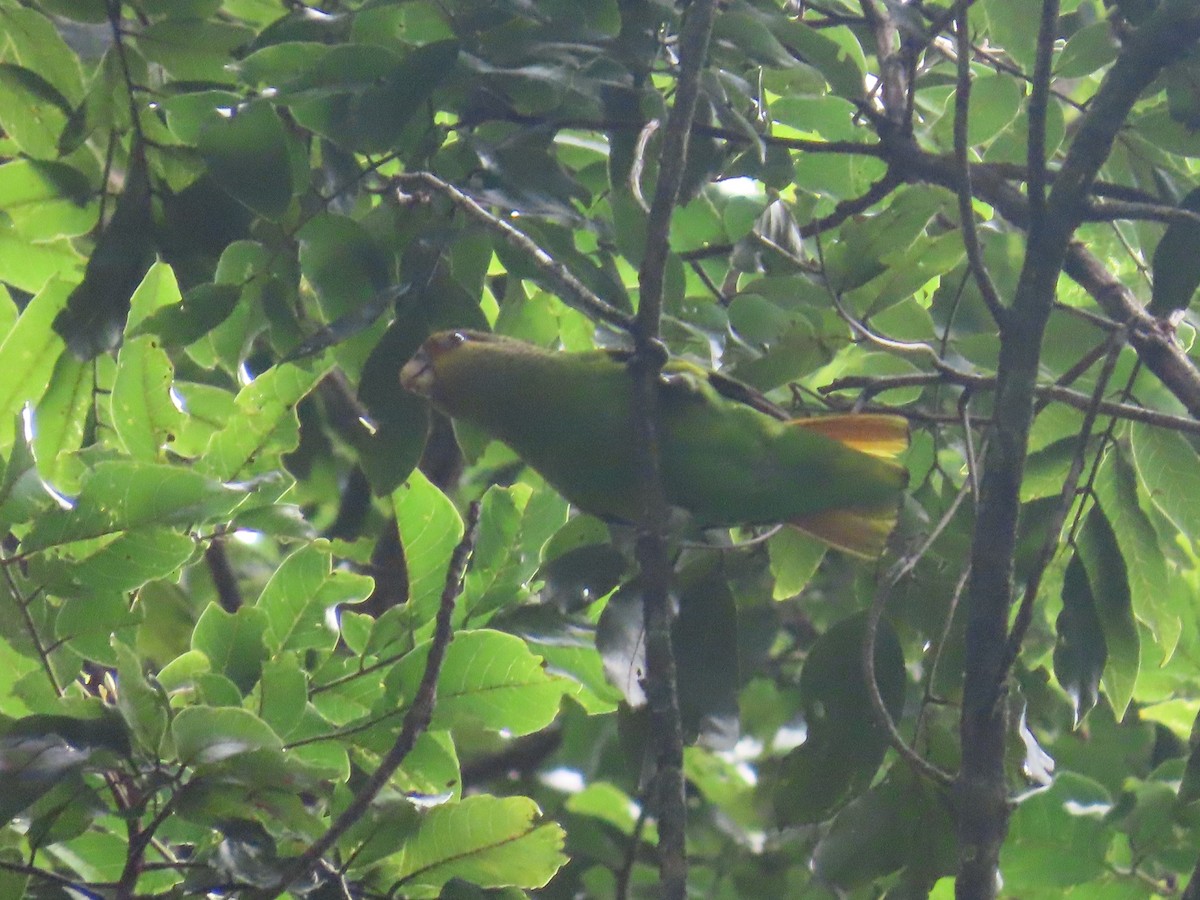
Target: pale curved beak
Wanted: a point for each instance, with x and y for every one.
(417, 375)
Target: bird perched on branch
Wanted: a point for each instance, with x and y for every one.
(725, 458)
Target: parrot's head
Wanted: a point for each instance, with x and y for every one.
(455, 369)
(420, 374)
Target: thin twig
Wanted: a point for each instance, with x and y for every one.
(624, 874)
(962, 150)
(919, 764)
(52, 877)
(964, 412)
(1039, 98)
(639, 163)
(416, 720)
(876, 384)
(30, 625)
(570, 289)
(852, 207)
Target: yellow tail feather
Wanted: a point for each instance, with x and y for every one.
(862, 532)
(877, 434)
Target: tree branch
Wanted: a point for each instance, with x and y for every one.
(570, 289)
(966, 212)
(1039, 97)
(654, 562)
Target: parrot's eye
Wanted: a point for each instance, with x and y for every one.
(455, 339)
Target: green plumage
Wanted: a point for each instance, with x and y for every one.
(571, 417)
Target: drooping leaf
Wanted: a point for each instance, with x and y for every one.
(1080, 651)
(95, 314)
(1109, 583)
(844, 745)
(248, 156)
(1175, 268)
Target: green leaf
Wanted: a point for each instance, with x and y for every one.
(995, 102)
(144, 415)
(88, 625)
(1151, 586)
(1009, 24)
(32, 267)
(126, 563)
(362, 96)
(1080, 650)
(233, 643)
(1070, 813)
(23, 494)
(343, 263)
(705, 636)
(248, 156)
(430, 529)
(1090, 48)
(198, 312)
(284, 688)
(28, 354)
(297, 599)
(275, 64)
(747, 34)
(873, 836)
(608, 803)
(264, 424)
(794, 560)
(206, 735)
(47, 200)
(32, 111)
(837, 56)
(144, 708)
(500, 563)
(32, 40)
(489, 679)
(159, 288)
(123, 496)
(1169, 470)
(492, 842)
(193, 49)
(1106, 574)
(1175, 268)
(61, 415)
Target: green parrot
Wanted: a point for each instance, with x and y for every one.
(727, 458)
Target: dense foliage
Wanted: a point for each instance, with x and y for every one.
(228, 534)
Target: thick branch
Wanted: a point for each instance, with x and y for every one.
(654, 562)
(981, 794)
(893, 76)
